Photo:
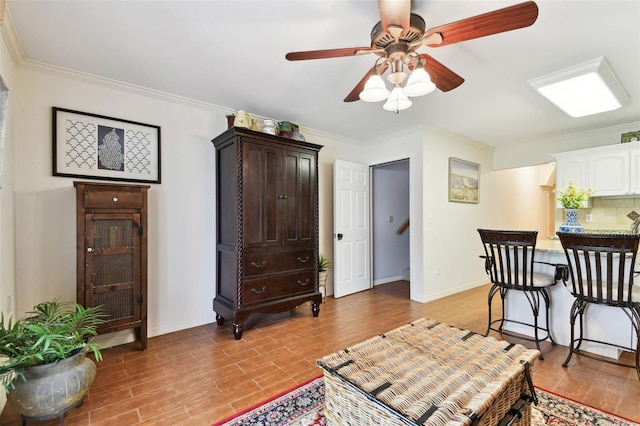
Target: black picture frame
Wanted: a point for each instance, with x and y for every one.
(94, 146)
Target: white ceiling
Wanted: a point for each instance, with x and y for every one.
(232, 54)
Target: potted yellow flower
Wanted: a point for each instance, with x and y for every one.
(571, 200)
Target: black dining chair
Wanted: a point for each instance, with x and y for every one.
(510, 264)
(601, 272)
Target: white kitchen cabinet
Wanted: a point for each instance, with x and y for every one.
(634, 171)
(608, 172)
(570, 168)
(612, 170)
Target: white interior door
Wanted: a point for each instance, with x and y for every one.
(351, 242)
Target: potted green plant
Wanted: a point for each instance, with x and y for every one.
(43, 365)
(571, 200)
(323, 264)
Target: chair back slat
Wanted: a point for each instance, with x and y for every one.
(601, 266)
(509, 257)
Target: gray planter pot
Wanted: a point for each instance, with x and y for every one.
(51, 389)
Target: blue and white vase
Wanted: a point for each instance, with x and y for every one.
(571, 223)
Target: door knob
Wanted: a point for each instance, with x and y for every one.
(340, 237)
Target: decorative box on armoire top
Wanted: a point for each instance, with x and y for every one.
(267, 225)
(112, 254)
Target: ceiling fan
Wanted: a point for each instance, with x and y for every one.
(398, 36)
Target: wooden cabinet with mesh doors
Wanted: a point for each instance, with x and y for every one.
(112, 254)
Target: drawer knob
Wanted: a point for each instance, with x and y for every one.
(255, 265)
(254, 290)
(303, 260)
(115, 199)
(305, 282)
(89, 249)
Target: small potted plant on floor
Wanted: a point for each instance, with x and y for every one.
(323, 265)
(42, 358)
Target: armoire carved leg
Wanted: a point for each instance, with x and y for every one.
(315, 308)
(219, 319)
(237, 331)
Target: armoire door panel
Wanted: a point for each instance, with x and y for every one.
(227, 208)
(300, 181)
(262, 195)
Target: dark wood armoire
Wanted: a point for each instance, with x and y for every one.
(112, 254)
(267, 225)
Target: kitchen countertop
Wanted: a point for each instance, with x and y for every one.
(553, 244)
(549, 245)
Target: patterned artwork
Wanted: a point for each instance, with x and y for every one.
(81, 143)
(100, 147)
(110, 148)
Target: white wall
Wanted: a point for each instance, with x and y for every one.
(408, 144)
(181, 231)
(7, 224)
(181, 210)
(7, 228)
(390, 198)
(452, 244)
(521, 199)
(539, 152)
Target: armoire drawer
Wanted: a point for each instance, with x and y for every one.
(267, 263)
(112, 199)
(259, 290)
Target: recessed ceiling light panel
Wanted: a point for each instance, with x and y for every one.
(584, 89)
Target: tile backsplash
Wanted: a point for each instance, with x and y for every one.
(606, 213)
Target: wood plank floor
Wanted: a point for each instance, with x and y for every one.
(201, 375)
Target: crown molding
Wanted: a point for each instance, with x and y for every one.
(11, 39)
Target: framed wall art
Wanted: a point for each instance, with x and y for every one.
(630, 137)
(98, 147)
(464, 181)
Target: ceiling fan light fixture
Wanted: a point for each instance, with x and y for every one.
(398, 100)
(419, 82)
(374, 89)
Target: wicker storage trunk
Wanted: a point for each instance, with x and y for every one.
(427, 373)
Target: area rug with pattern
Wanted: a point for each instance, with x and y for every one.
(304, 406)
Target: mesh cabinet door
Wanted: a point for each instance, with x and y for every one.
(113, 265)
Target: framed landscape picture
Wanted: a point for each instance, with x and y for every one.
(98, 147)
(464, 181)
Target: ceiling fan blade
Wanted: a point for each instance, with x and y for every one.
(442, 77)
(394, 13)
(354, 95)
(501, 20)
(327, 53)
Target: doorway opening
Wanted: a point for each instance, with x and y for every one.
(390, 206)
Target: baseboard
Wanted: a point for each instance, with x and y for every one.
(454, 290)
(387, 280)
